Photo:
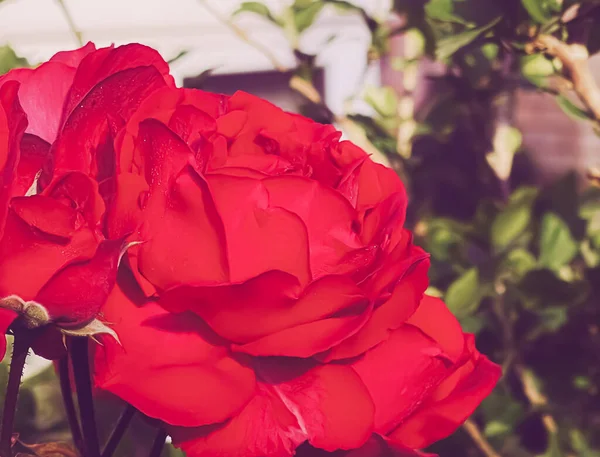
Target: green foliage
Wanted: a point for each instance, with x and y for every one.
(9, 59)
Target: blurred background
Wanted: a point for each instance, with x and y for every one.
(489, 112)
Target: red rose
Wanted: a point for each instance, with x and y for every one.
(55, 264)
(272, 299)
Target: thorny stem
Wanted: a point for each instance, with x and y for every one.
(480, 440)
(67, 395)
(119, 431)
(74, 30)
(21, 347)
(83, 384)
(159, 444)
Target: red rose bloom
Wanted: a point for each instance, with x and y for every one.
(56, 127)
(275, 297)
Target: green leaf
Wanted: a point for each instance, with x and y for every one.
(572, 110)
(551, 318)
(537, 10)
(502, 414)
(590, 255)
(447, 46)
(581, 445)
(443, 10)
(472, 324)
(383, 100)
(514, 219)
(496, 428)
(507, 141)
(557, 245)
(519, 262)
(343, 5)
(536, 68)
(10, 60)
(444, 236)
(258, 8)
(306, 13)
(464, 295)
(553, 449)
(543, 288)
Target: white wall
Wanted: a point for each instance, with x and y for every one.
(37, 29)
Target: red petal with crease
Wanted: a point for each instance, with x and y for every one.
(400, 373)
(46, 214)
(387, 317)
(73, 58)
(75, 294)
(197, 253)
(125, 212)
(12, 124)
(34, 152)
(22, 247)
(260, 237)
(267, 300)
(188, 377)
(328, 405)
(42, 94)
(434, 319)
(438, 419)
(328, 217)
(103, 63)
(111, 101)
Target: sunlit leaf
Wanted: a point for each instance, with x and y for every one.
(557, 245)
(514, 219)
(9, 59)
(305, 14)
(443, 10)
(447, 46)
(572, 110)
(258, 8)
(464, 294)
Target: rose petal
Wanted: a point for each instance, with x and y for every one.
(89, 124)
(75, 294)
(197, 254)
(34, 153)
(434, 319)
(387, 317)
(189, 378)
(329, 219)
(103, 63)
(42, 95)
(433, 422)
(400, 373)
(46, 214)
(12, 125)
(260, 237)
(329, 311)
(267, 301)
(73, 58)
(328, 405)
(125, 213)
(21, 248)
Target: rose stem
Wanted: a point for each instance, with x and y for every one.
(67, 394)
(21, 346)
(83, 384)
(119, 431)
(159, 444)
